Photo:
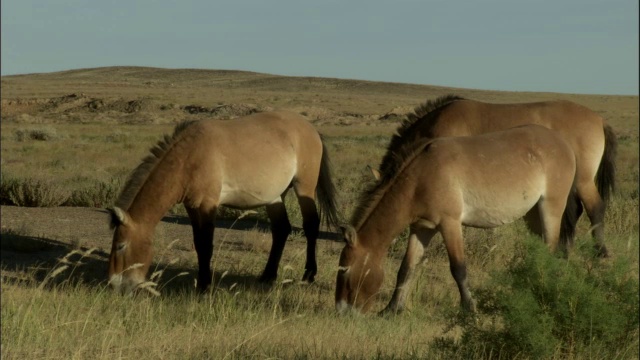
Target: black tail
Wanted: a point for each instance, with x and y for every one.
(569, 221)
(606, 175)
(326, 191)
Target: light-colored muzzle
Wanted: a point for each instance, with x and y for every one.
(124, 285)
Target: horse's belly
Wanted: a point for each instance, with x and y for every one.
(489, 214)
(246, 199)
(261, 189)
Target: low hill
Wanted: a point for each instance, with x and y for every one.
(155, 95)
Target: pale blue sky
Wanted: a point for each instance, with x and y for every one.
(569, 46)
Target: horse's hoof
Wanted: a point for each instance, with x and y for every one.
(601, 251)
(267, 279)
(469, 306)
(309, 276)
(203, 285)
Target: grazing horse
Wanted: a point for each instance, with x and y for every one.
(593, 142)
(242, 163)
(439, 185)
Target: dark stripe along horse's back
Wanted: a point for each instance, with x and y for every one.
(241, 163)
(593, 142)
(440, 185)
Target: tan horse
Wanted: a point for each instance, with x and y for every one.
(439, 185)
(593, 142)
(242, 163)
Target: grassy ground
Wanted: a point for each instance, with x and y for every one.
(72, 314)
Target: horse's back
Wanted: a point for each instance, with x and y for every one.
(495, 178)
(582, 128)
(250, 161)
(471, 117)
(284, 126)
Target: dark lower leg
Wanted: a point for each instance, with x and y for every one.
(204, 249)
(203, 228)
(597, 231)
(459, 272)
(452, 235)
(280, 230)
(311, 226)
(595, 209)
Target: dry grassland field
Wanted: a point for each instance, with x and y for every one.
(69, 140)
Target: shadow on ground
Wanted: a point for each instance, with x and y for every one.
(39, 261)
(247, 225)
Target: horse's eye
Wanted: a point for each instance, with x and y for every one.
(120, 246)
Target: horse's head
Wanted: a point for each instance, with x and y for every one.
(131, 252)
(360, 275)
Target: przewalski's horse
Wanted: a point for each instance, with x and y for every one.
(439, 185)
(593, 142)
(242, 163)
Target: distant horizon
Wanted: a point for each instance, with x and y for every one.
(308, 76)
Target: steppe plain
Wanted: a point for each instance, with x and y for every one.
(99, 123)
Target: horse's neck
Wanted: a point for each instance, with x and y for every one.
(162, 189)
(388, 218)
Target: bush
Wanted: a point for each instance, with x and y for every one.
(31, 193)
(100, 195)
(543, 306)
(41, 134)
(6, 184)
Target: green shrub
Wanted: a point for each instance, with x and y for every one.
(41, 134)
(6, 184)
(32, 193)
(542, 306)
(100, 194)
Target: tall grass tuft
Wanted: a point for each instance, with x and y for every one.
(543, 306)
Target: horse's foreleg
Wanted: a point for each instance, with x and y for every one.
(452, 233)
(418, 240)
(280, 230)
(203, 225)
(311, 226)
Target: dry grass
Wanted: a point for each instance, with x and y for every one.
(238, 319)
(70, 318)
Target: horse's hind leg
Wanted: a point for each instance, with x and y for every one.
(452, 234)
(311, 226)
(419, 239)
(595, 209)
(280, 230)
(551, 211)
(203, 225)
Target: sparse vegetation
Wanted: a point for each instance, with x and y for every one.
(76, 150)
(31, 192)
(541, 306)
(101, 194)
(40, 134)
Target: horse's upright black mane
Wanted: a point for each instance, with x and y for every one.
(423, 117)
(140, 174)
(404, 146)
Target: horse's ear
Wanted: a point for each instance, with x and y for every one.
(349, 234)
(118, 217)
(374, 172)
